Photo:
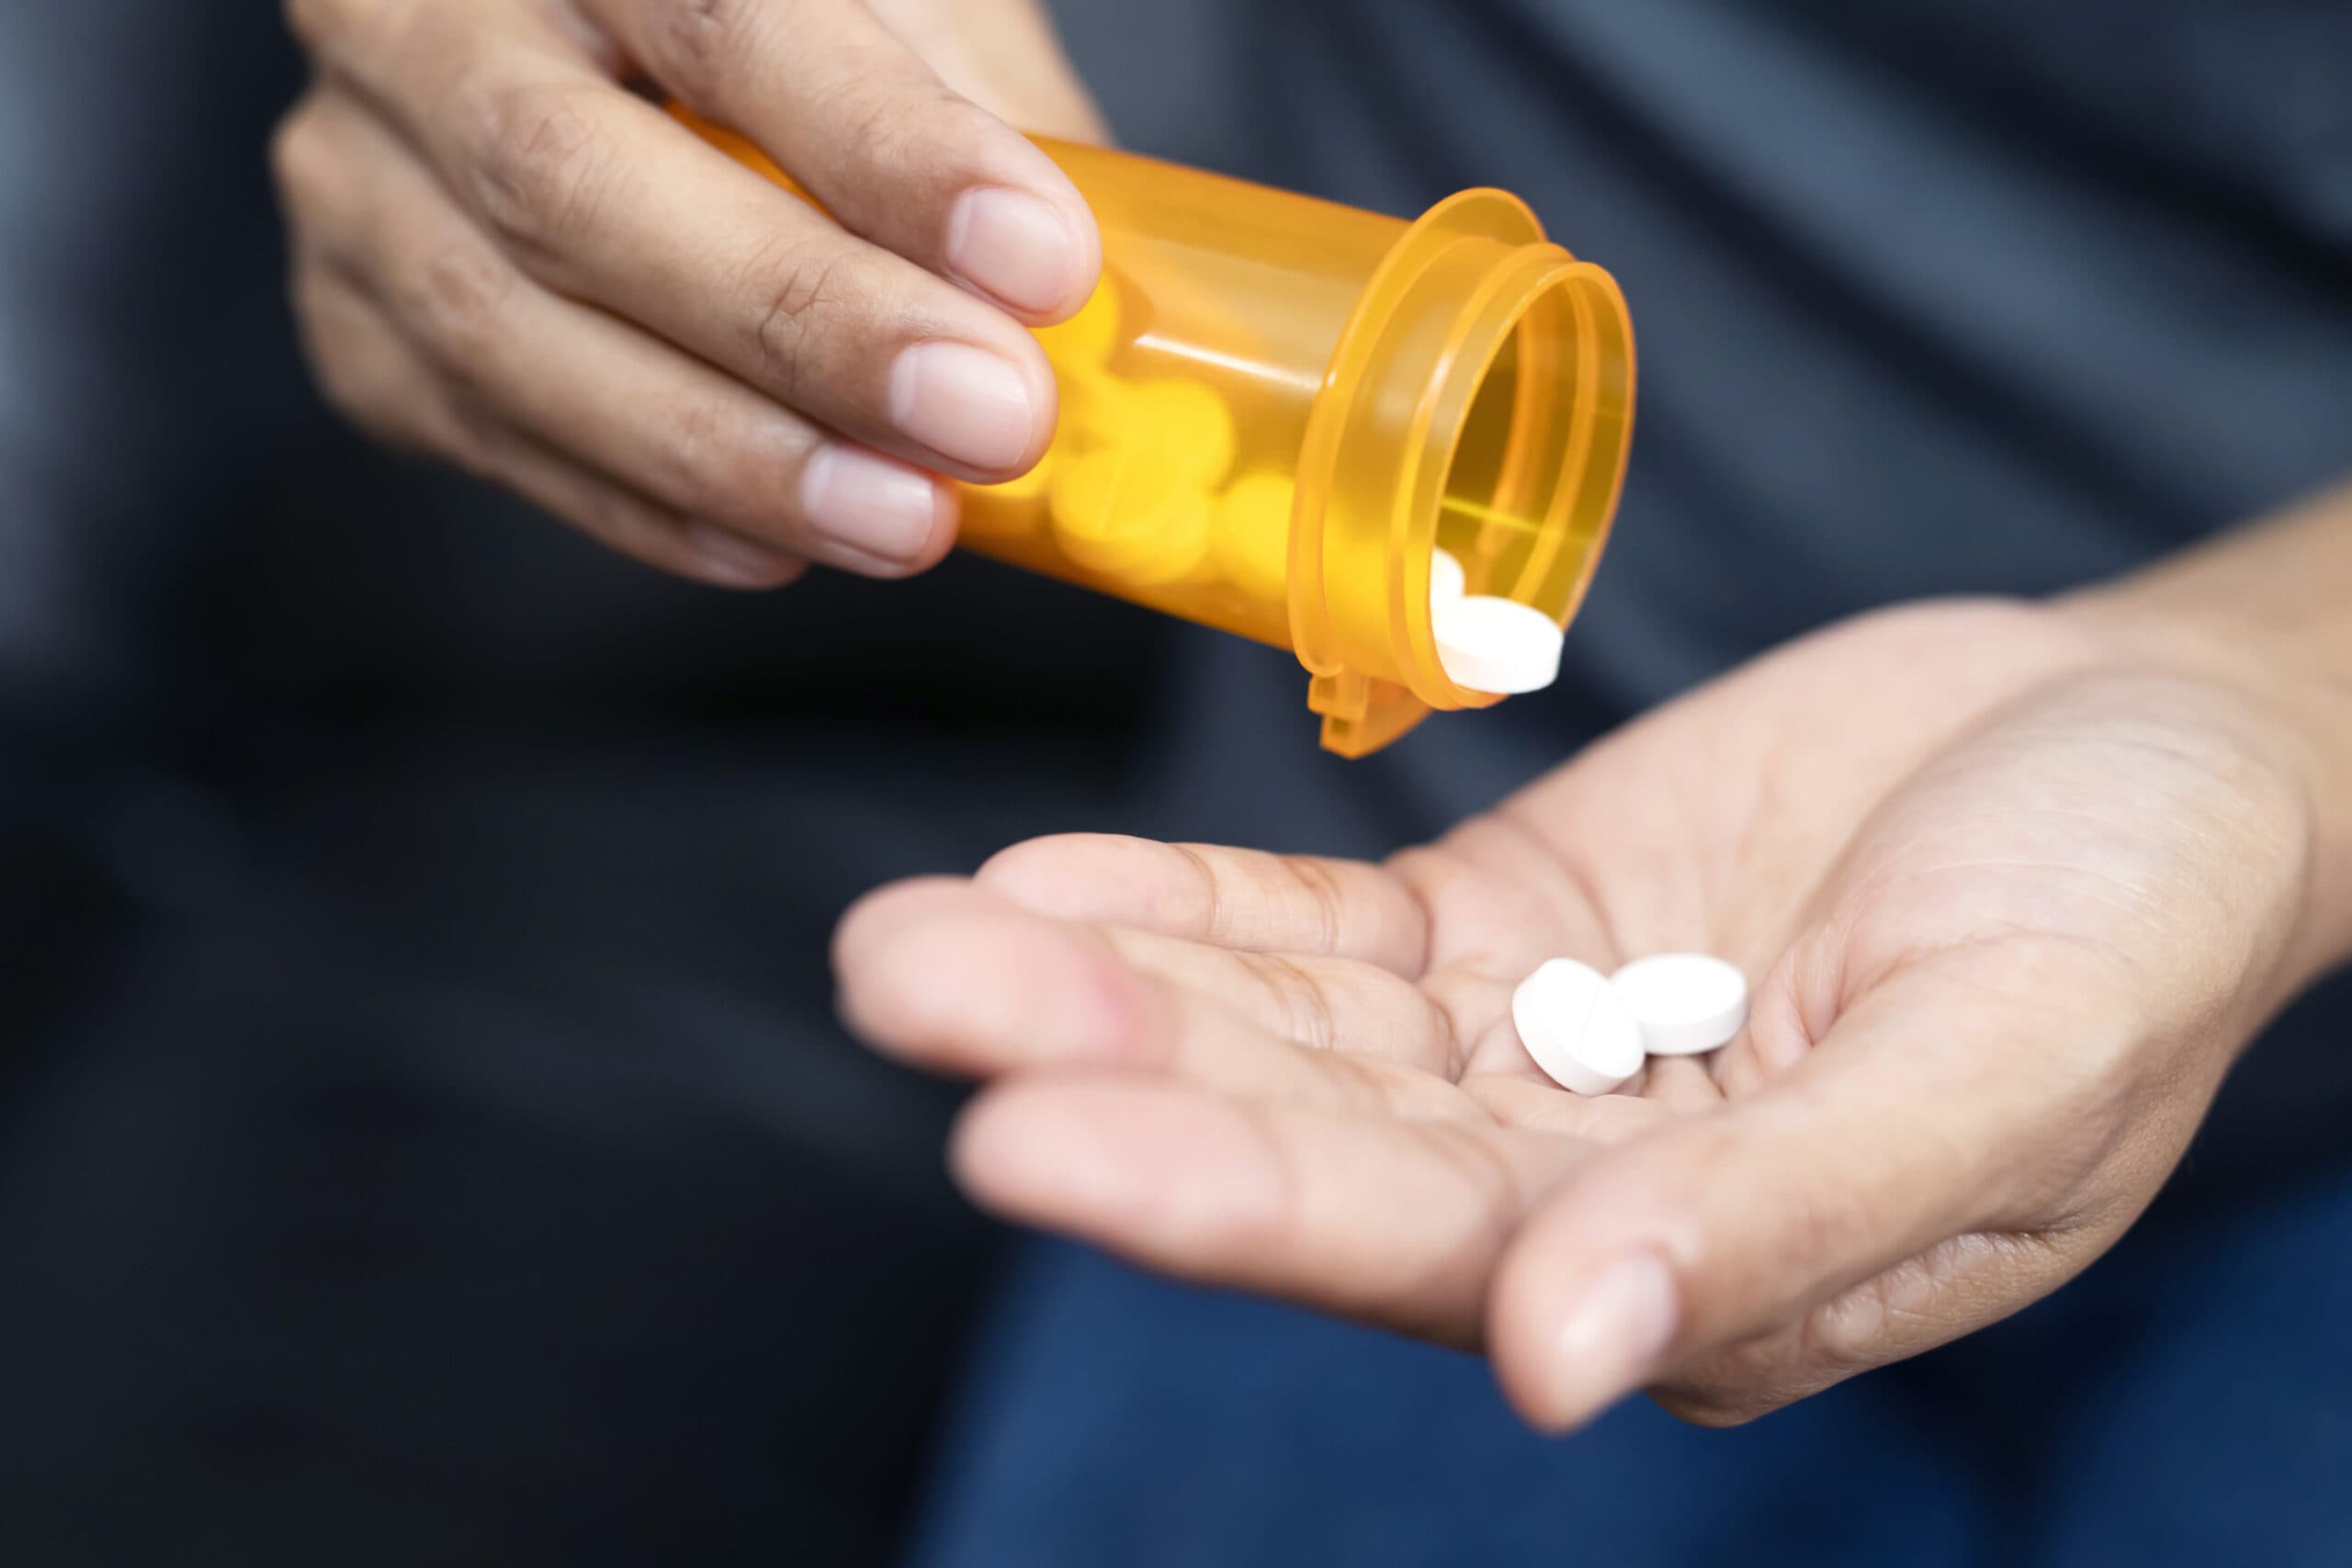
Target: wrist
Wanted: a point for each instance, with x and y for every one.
(2259, 621)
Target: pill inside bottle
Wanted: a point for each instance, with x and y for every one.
(1448, 580)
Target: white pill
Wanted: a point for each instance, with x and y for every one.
(1496, 645)
(1576, 1027)
(1446, 577)
(1686, 1003)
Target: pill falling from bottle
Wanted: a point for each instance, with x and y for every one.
(1491, 644)
(1591, 1032)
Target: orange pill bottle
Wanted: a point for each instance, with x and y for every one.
(1275, 408)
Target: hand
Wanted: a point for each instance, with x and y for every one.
(2011, 896)
(504, 256)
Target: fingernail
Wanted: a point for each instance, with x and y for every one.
(964, 403)
(1013, 246)
(735, 559)
(869, 503)
(1612, 1340)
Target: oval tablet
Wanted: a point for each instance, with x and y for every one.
(1686, 1003)
(1496, 645)
(1125, 514)
(1576, 1027)
(1447, 579)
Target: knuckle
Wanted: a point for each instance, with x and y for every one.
(1844, 1335)
(694, 43)
(869, 116)
(537, 162)
(698, 458)
(373, 409)
(634, 527)
(363, 400)
(806, 299)
(453, 304)
(373, 398)
(687, 451)
(1319, 886)
(357, 397)
(1298, 1000)
(914, 142)
(924, 130)
(301, 156)
(471, 446)
(336, 27)
(608, 514)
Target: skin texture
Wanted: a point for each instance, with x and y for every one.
(2013, 885)
(506, 257)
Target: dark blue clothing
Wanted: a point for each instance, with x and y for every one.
(2186, 1402)
(1932, 298)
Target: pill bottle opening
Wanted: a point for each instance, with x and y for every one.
(1480, 400)
(1533, 469)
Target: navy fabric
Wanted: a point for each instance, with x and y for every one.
(2184, 1403)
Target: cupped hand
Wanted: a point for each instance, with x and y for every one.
(2011, 897)
(506, 257)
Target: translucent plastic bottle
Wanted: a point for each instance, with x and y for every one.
(1275, 408)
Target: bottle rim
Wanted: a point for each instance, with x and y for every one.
(1419, 338)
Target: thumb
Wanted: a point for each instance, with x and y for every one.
(1719, 1228)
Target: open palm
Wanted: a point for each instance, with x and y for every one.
(2010, 900)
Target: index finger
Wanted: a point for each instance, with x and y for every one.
(839, 101)
(1396, 1222)
(602, 196)
(1247, 899)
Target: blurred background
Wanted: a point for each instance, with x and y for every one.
(425, 1136)
(424, 1133)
